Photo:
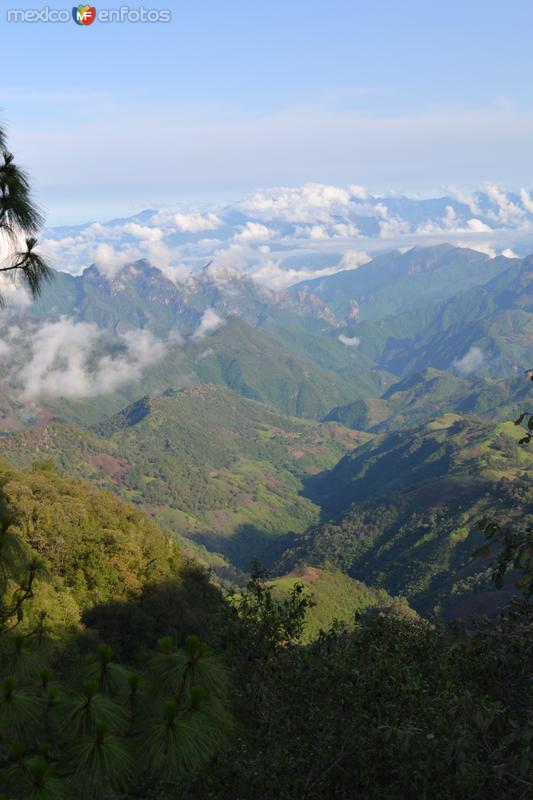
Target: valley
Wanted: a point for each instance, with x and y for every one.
(280, 427)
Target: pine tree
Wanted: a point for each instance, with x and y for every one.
(20, 220)
(92, 728)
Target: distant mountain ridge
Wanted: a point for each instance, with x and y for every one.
(396, 282)
(469, 317)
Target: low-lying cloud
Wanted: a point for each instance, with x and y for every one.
(69, 359)
(209, 323)
(349, 341)
(471, 362)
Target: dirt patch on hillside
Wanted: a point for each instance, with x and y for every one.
(306, 573)
(108, 464)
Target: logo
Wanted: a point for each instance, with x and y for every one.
(83, 15)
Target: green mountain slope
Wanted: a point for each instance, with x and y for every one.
(394, 282)
(421, 396)
(277, 370)
(447, 447)
(94, 546)
(407, 505)
(336, 597)
(205, 462)
(496, 318)
(244, 359)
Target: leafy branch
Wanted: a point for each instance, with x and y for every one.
(20, 219)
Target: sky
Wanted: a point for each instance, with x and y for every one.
(230, 97)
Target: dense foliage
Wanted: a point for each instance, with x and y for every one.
(388, 709)
(389, 706)
(96, 728)
(82, 724)
(94, 546)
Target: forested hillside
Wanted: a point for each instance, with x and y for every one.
(402, 512)
(225, 471)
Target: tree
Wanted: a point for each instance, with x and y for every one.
(91, 727)
(20, 220)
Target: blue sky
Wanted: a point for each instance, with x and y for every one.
(231, 96)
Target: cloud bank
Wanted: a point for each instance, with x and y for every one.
(289, 234)
(68, 359)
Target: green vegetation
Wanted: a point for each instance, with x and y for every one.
(394, 282)
(92, 546)
(314, 684)
(262, 350)
(385, 709)
(385, 704)
(335, 598)
(76, 563)
(450, 446)
(239, 481)
(226, 471)
(403, 512)
(424, 395)
(275, 366)
(495, 317)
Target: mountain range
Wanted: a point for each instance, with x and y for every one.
(334, 424)
(287, 235)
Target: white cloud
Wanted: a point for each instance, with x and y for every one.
(527, 201)
(210, 322)
(353, 259)
(195, 222)
(254, 232)
(470, 362)
(308, 203)
(143, 232)
(65, 360)
(482, 247)
(349, 341)
(272, 275)
(346, 230)
(317, 232)
(359, 192)
(313, 220)
(450, 224)
(13, 292)
(109, 260)
(508, 253)
(476, 226)
(466, 199)
(205, 354)
(392, 226)
(508, 212)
